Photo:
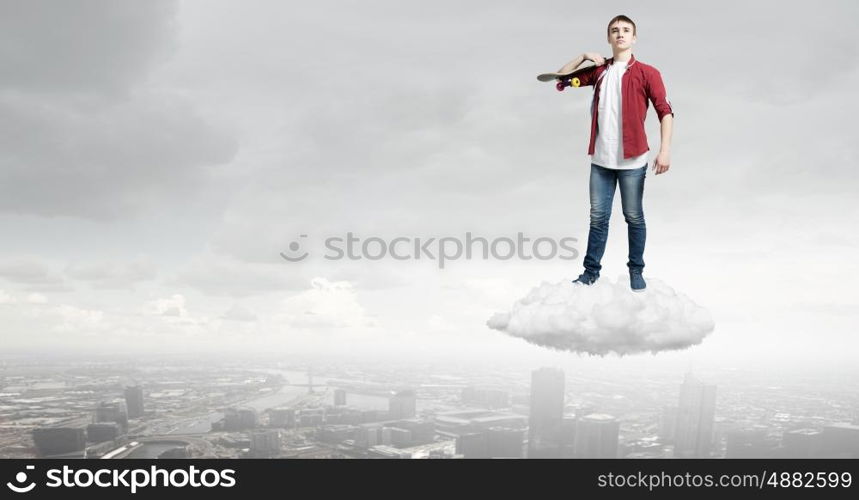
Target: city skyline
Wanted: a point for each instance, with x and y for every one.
(267, 409)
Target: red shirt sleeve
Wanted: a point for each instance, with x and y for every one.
(657, 94)
(587, 76)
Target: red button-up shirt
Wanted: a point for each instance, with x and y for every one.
(639, 83)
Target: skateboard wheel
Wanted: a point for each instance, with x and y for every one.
(560, 86)
(575, 82)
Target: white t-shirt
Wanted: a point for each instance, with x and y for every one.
(608, 149)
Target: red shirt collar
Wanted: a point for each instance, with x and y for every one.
(628, 64)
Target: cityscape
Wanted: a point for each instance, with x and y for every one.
(281, 408)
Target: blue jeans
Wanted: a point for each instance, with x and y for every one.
(602, 187)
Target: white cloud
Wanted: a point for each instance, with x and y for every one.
(172, 306)
(606, 317)
(326, 305)
(77, 321)
(239, 312)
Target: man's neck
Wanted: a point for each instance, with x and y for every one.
(623, 55)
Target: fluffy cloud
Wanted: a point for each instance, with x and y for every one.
(326, 305)
(76, 320)
(605, 318)
(171, 306)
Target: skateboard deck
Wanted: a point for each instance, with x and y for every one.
(565, 80)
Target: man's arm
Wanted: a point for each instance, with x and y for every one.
(575, 63)
(586, 77)
(663, 159)
(658, 96)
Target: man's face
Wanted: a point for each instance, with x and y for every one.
(620, 35)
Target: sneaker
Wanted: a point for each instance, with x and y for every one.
(636, 281)
(586, 278)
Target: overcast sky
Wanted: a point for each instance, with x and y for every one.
(156, 157)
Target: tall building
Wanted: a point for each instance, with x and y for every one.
(495, 442)
(281, 417)
(597, 436)
(472, 445)
(265, 443)
(336, 433)
(546, 413)
(134, 401)
(113, 411)
(59, 440)
(693, 432)
(420, 431)
(840, 441)
(505, 442)
(368, 435)
(102, 431)
(236, 419)
(403, 404)
(310, 417)
(400, 438)
(568, 436)
(339, 397)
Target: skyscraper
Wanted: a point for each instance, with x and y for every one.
(134, 401)
(339, 397)
(472, 445)
(236, 419)
(403, 404)
(504, 442)
(265, 443)
(59, 440)
(597, 436)
(568, 436)
(113, 411)
(546, 413)
(693, 433)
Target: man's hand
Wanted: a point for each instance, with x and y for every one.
(662, 163)
(595, 57)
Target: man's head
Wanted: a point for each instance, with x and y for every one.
(621, 33)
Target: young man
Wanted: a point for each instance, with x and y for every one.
(618, 144)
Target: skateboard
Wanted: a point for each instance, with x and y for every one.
(564, 80)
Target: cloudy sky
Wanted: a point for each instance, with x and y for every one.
(157, 157)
